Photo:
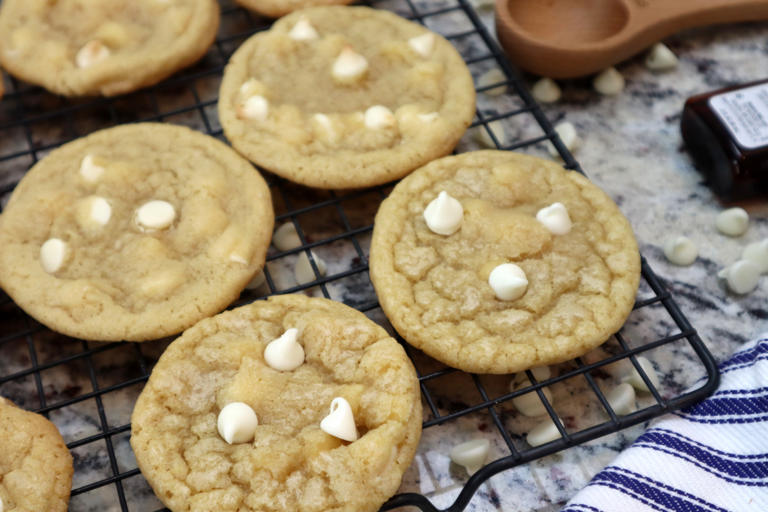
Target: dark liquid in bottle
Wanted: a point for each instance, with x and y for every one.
(726, 132)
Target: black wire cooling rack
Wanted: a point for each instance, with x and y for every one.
(89, 388)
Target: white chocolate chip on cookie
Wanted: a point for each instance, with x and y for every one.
(237, 423)
(155, 214)
(609, 82)
(508, 281)
(429, 117)
(303, 30)
(252, 87)
(349, 66)
(681, 251)
(101, 211)
(423, 44)
(471, 454)
(91, 54)
(90, 170)
(555, 218)
(732, 222)
(52, 254)
(285, 353)
(444, 214)
(378, 117)
(340, 422)
(255, 108)
(324, 126)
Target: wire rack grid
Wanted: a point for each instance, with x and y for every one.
(88, 388)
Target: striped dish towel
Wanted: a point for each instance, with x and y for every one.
(710, 457)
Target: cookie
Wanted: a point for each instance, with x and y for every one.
(35, 464)
(288, 461)
(278, 8)
(514, 281)
(134, 233)
(104, 47)
(345, 97)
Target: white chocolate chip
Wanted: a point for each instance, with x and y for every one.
(349, 66)
(490, 77)
(100, 210)
(555, 218)
(530, 404)
(340, 422)
(660, 58)
(52, 254)
(543, 433)
(237, 423)
(255, 108)
(257, 281)
(609, 82)
(741, 277)
(508, 281)
(567, 133)
(636, 381)
(546, 90)
(252, 87)
(303, 30)
(89, 170)
(285, 354)
(155, 214)
(732, 222)
(91, 54)
(482, 136)
(444, 214)
(540, 373)
(681, 251)
(430, 117)
(325, 126)
(757, 253)
(622, 399)
(378, 117)
(471, 455)
(286, 238)
(303, 271)
(423, 44)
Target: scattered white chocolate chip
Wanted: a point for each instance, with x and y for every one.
(257, 281)
(155, 214)
(89, 170)
(732, 222)
(285, 354)
(681, 251)
(508, 281)
(100, 210)
(530, 404)
(423, 44)
(91, 54)
(660, 58)
(286, 238)
(636, 381)
(483, 137)
(609, 82)
(378, 117)
(52, 254)
(741, 277)
(303, 271)
(543, 433)
(255, 108)
(546, 90)
(340, 422)
(444, 214)
(471, 454)
(567, 133)
(757, 253)
(349, 65)
(622, 399)
(555, 218)
(491, 77)
(540, 373)
(237, 423)
(303, 30)
(429, 117)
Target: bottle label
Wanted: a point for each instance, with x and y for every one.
(745, 113)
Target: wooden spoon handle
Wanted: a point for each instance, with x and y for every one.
(666, 17)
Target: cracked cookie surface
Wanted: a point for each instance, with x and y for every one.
(435, 290)
(297, 99)
(103, 47)
(291, 464)
(35, 464)
(75, 255)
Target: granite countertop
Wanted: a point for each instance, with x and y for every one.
(631, 147)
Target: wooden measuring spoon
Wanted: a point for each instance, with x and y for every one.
(568, 38)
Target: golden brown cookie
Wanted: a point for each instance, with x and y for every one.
(134, 233)
(436, 288)
(345, 97)
(107, 47)
(278, 8)
(291, 464)
(35, 464)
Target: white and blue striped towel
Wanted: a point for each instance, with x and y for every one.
(710, 457)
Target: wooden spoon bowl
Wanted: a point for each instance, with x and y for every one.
(569, 38)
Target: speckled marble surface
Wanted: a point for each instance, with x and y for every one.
(630, 146)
